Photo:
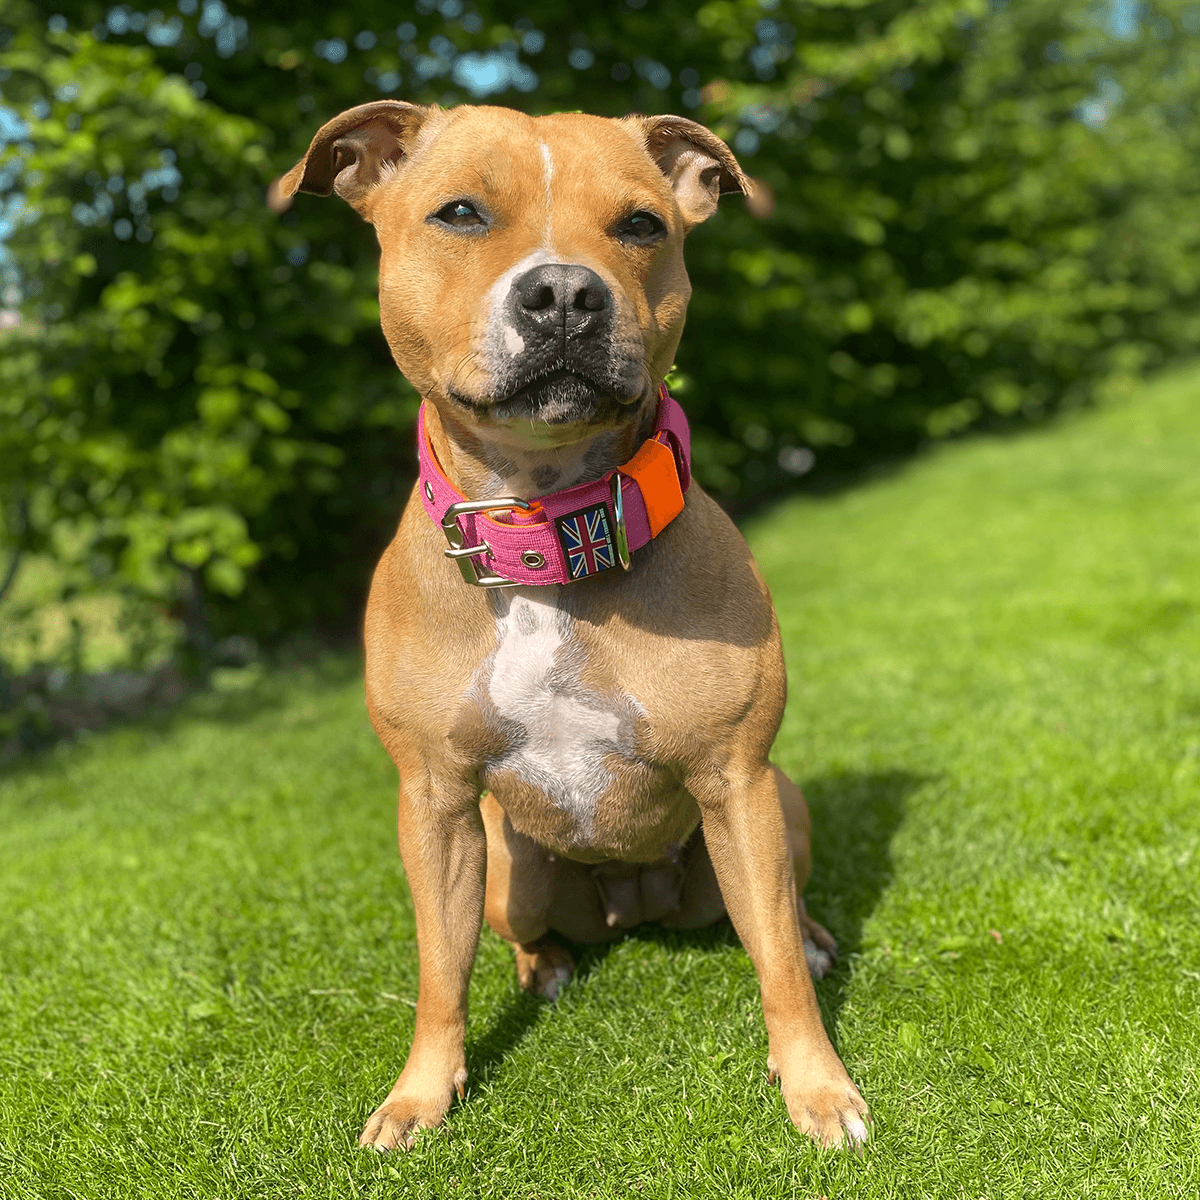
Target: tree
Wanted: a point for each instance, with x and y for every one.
(980, 214)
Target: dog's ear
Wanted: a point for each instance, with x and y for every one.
(700, 167)
(350, 154)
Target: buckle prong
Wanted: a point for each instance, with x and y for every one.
(457, 552)
(472, 572)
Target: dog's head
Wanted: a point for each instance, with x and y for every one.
(531, 269)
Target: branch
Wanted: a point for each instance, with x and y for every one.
(22, 525)
(10, 574)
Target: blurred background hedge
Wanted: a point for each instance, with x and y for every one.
(981, 213)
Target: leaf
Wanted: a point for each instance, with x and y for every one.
(980, 1057)
(952, 945)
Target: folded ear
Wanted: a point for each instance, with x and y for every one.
(351, 153)
(699, 166)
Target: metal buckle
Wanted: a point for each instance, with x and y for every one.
(464, 556)
(620, 537)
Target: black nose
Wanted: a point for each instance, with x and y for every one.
(558, 296)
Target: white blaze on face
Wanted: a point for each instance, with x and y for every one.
(500, 344)
(547, 176)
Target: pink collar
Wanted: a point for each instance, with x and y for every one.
(567, 535)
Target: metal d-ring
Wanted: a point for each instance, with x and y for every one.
(620, 536)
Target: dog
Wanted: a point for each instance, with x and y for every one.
(570, 654)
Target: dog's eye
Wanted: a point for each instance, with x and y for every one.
(640, 228)
(459, 214)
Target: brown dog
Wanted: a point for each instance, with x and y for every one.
(583, 756)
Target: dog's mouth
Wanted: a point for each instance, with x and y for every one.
(552, 397)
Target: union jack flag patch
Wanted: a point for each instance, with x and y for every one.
(586, 541)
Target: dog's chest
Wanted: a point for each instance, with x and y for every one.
(564, 739)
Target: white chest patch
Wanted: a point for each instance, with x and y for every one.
(561, 731)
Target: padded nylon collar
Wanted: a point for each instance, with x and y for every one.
(567, 535)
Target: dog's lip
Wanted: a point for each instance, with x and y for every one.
(544, 379)
(496, 408)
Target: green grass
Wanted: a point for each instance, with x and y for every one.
(207, 963)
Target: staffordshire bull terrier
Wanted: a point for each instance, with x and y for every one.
(570, 654)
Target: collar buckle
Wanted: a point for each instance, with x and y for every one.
(472, 572)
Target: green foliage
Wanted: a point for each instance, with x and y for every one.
(980, 214)
(183, 400)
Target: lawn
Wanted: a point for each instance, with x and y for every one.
(207, 961)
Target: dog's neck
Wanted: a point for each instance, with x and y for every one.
(482, 465)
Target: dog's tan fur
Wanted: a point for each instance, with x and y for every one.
(511, 807)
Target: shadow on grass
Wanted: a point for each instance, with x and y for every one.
(855, 817)
(856, 814)
(233, 697)
(486, 1054)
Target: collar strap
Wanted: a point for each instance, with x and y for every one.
(567, 535)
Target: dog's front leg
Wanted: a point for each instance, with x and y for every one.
(747, 840)
(444, 851)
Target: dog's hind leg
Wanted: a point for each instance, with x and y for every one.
(700, 900)
(820, 948)
(701, 903)
(520, 884)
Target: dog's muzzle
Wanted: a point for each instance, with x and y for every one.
(553, 351)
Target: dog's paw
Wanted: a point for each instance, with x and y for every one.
(394, 1125)
(819, 960)
(544, 968)
(820, 947)
(829, 1110)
